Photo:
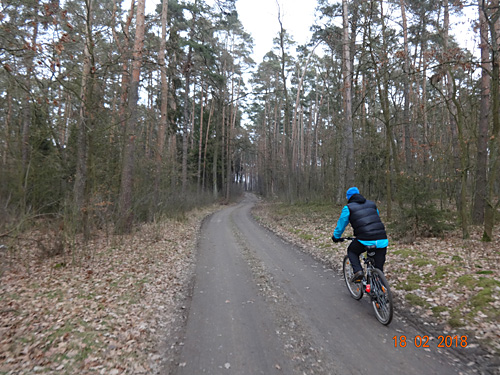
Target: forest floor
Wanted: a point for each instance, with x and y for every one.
(107, 307)
(103, 308)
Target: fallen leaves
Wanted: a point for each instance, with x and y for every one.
(103, 313)
(105, 307)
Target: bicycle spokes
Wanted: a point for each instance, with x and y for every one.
(381, 298)
(355, 289)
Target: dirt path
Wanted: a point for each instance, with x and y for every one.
(261, 306)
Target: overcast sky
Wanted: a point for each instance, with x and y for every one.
(260, 19)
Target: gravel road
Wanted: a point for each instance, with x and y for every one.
(259, 305)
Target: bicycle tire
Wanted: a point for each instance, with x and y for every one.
(355, 289)
(381, 297)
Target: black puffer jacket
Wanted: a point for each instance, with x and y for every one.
(364, 219)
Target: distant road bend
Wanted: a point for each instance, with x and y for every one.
(261, 306)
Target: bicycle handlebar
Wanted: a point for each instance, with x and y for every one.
(342, 239)
(348, 238)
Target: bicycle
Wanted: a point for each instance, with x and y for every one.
(373, 284)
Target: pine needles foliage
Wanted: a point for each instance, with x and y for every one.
(418, 215)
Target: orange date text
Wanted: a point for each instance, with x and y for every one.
(443, 341)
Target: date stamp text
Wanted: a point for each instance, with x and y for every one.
(443, 341)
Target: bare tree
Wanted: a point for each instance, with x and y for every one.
(79, 189)
(160, 145)
(125, 202)
(347, 174)
(484, 117)
(493, 19)
(406, 87)
(27, 102)
(287, 131)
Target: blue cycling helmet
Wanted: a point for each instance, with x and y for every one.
(351, 191)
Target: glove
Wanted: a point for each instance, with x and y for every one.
(337, 239)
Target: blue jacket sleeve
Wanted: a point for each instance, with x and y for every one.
(342, 223)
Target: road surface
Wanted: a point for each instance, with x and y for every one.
(261, 306)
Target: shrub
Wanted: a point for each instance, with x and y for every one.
(418, 215)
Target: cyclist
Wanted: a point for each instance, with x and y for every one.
(368, 230)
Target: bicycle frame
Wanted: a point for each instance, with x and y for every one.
(373, 284)
(369, 265)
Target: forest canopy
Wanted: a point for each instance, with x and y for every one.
(112, 115)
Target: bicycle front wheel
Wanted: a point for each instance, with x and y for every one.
(381, 297)
(355, 289)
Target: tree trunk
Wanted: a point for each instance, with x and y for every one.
(422, 101)
(297, 101)
(29, 73)
(125, 220)
(172, 147)
(27, 106)
(200, 142)
(229, 139)
(484, 116)
(79, 189)
(173, 168)
(214, 171)
(124, 56)
(382, 80)
(494, 142)
(212, 105)
(160, 146)
(406, 90)
(187, 77)
(348, 142)
(287, 131)
(456, 123)
(8, 120)
(232, 125)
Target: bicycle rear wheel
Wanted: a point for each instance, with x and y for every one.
(355, 289)
(381, 297)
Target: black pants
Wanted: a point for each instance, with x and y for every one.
(356, 248)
